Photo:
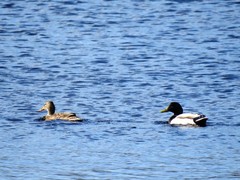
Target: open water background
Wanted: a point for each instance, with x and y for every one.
(117, 64)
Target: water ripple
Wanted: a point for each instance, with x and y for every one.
(116, 65)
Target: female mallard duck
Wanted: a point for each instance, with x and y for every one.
(51, 115)
(180, 118)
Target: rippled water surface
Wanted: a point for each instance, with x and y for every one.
(117, 64)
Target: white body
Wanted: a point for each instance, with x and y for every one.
(185, 119)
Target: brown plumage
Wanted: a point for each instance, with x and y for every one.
(51, 115)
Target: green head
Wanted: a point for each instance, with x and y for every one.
(173, 107)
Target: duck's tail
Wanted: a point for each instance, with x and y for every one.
(201, 120)
(73, 117)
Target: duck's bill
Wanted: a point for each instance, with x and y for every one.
(164, 110)
(40, 110)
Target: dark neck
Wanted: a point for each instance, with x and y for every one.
(51, 111)
(171, 118)
(177, 113)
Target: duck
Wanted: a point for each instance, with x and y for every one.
(51, 115)
(180, 118)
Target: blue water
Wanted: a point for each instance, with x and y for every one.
(117, 64)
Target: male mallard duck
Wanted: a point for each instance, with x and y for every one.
(51, 115)
(180, 118)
